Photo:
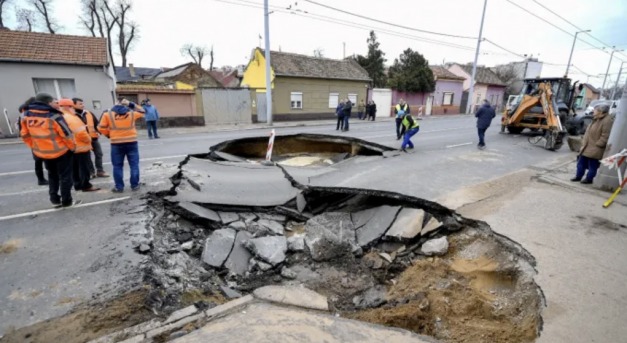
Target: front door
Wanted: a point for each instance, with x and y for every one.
(429, 105)
(262, 116)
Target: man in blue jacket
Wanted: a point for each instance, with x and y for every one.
(151, 115)
(484, 116)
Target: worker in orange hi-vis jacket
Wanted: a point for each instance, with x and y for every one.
(45, 131)
(81, 160)
(118, 124)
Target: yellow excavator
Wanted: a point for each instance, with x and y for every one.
(546, 104)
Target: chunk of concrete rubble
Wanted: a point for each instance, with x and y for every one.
(240, 256)
(407, 225)
(373, 297)
(238, 225)
(329, 235)
(200, 212)
(271, 226)
(187, 245)
(288, 273)
(432, 225)
(389, 258)
(228, 217)
(144, 248)
(270, 249)
(230, 293)
(301, 202)
(437, 247)
(292, 295)
(248, 217)
(296, 242)
(378, 222)
(218, 246)
(271, 216)
(390, 247)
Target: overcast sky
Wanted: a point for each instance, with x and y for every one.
(233, 28)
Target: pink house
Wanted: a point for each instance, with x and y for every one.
(488, 86)
(445, 99)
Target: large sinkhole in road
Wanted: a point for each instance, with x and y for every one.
(226, 228)
(296, 150)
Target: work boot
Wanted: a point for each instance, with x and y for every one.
(575, 179)
(102, 174)
(115, 190)
(91, 189)
(43, 182)
(586, 182)
(72, 204)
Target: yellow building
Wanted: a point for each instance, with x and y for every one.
(303, 87)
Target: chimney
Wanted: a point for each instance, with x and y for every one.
(131, 69)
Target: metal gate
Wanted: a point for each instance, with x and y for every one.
(262, 115)
(464, 102)
(383, 98)
(226, 106)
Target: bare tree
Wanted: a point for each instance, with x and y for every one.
(127, 29)
(319, 52)
(99, 18)
(196, 52)
(44, 7)
(26, 19)
(511, 77)
(2, 3)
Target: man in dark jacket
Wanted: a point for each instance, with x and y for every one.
(339, 112)
(484, 118)
(348, 107)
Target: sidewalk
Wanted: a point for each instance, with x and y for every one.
(170, 131)
(579, 246)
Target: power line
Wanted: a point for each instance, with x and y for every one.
(388, 23)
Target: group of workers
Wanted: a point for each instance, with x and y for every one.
(62, 134)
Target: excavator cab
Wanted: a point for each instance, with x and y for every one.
(544, 104)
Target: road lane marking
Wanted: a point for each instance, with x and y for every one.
(457, 145)
(107, 163)
(34, 213)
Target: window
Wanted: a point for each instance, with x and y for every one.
(296, 99)
(58, 88)
(334, 100)
(352, 98)
(447, 98)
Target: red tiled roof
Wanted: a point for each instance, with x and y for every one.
(443, 73)
(49, 48)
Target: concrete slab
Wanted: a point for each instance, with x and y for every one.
(432, 225)
(272, 226)
(235, 184)
(197, 211)
(270, 249)
(228, 217)
(266, 323)
(240, 256)
(218, 247)
(380, 220)
(293, 296)
(407, 225)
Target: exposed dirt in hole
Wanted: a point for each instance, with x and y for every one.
(475, 293)
(86, 322)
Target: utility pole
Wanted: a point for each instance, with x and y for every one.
(268, 67)
(616, 84)
(471, 94)
(607, 179)
(573, 49)
(608, 68)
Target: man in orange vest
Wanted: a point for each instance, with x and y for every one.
(118, 124)
(80, 163)
(39, 163)
(45, 131)
(92, 127)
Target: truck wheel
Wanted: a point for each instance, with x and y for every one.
(515, 129)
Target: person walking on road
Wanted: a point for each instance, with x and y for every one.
(45, 131)
(82, 153)
(400, 110)
(348, 107)
(118, 124)
(92, 127)
(410, 127)
(39, 162)
(593, 145)
(371, 110)
(484, 116)
(339, 112)
(361, 110)
(152, 116)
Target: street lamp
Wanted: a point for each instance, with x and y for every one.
(572, 49)
(616, 84)
(608, 67)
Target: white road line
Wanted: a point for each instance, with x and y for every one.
(33, 213)
(456, 145)
(107, 163)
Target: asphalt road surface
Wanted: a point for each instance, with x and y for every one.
(63, 257)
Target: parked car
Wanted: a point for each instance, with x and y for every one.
(578, 124)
